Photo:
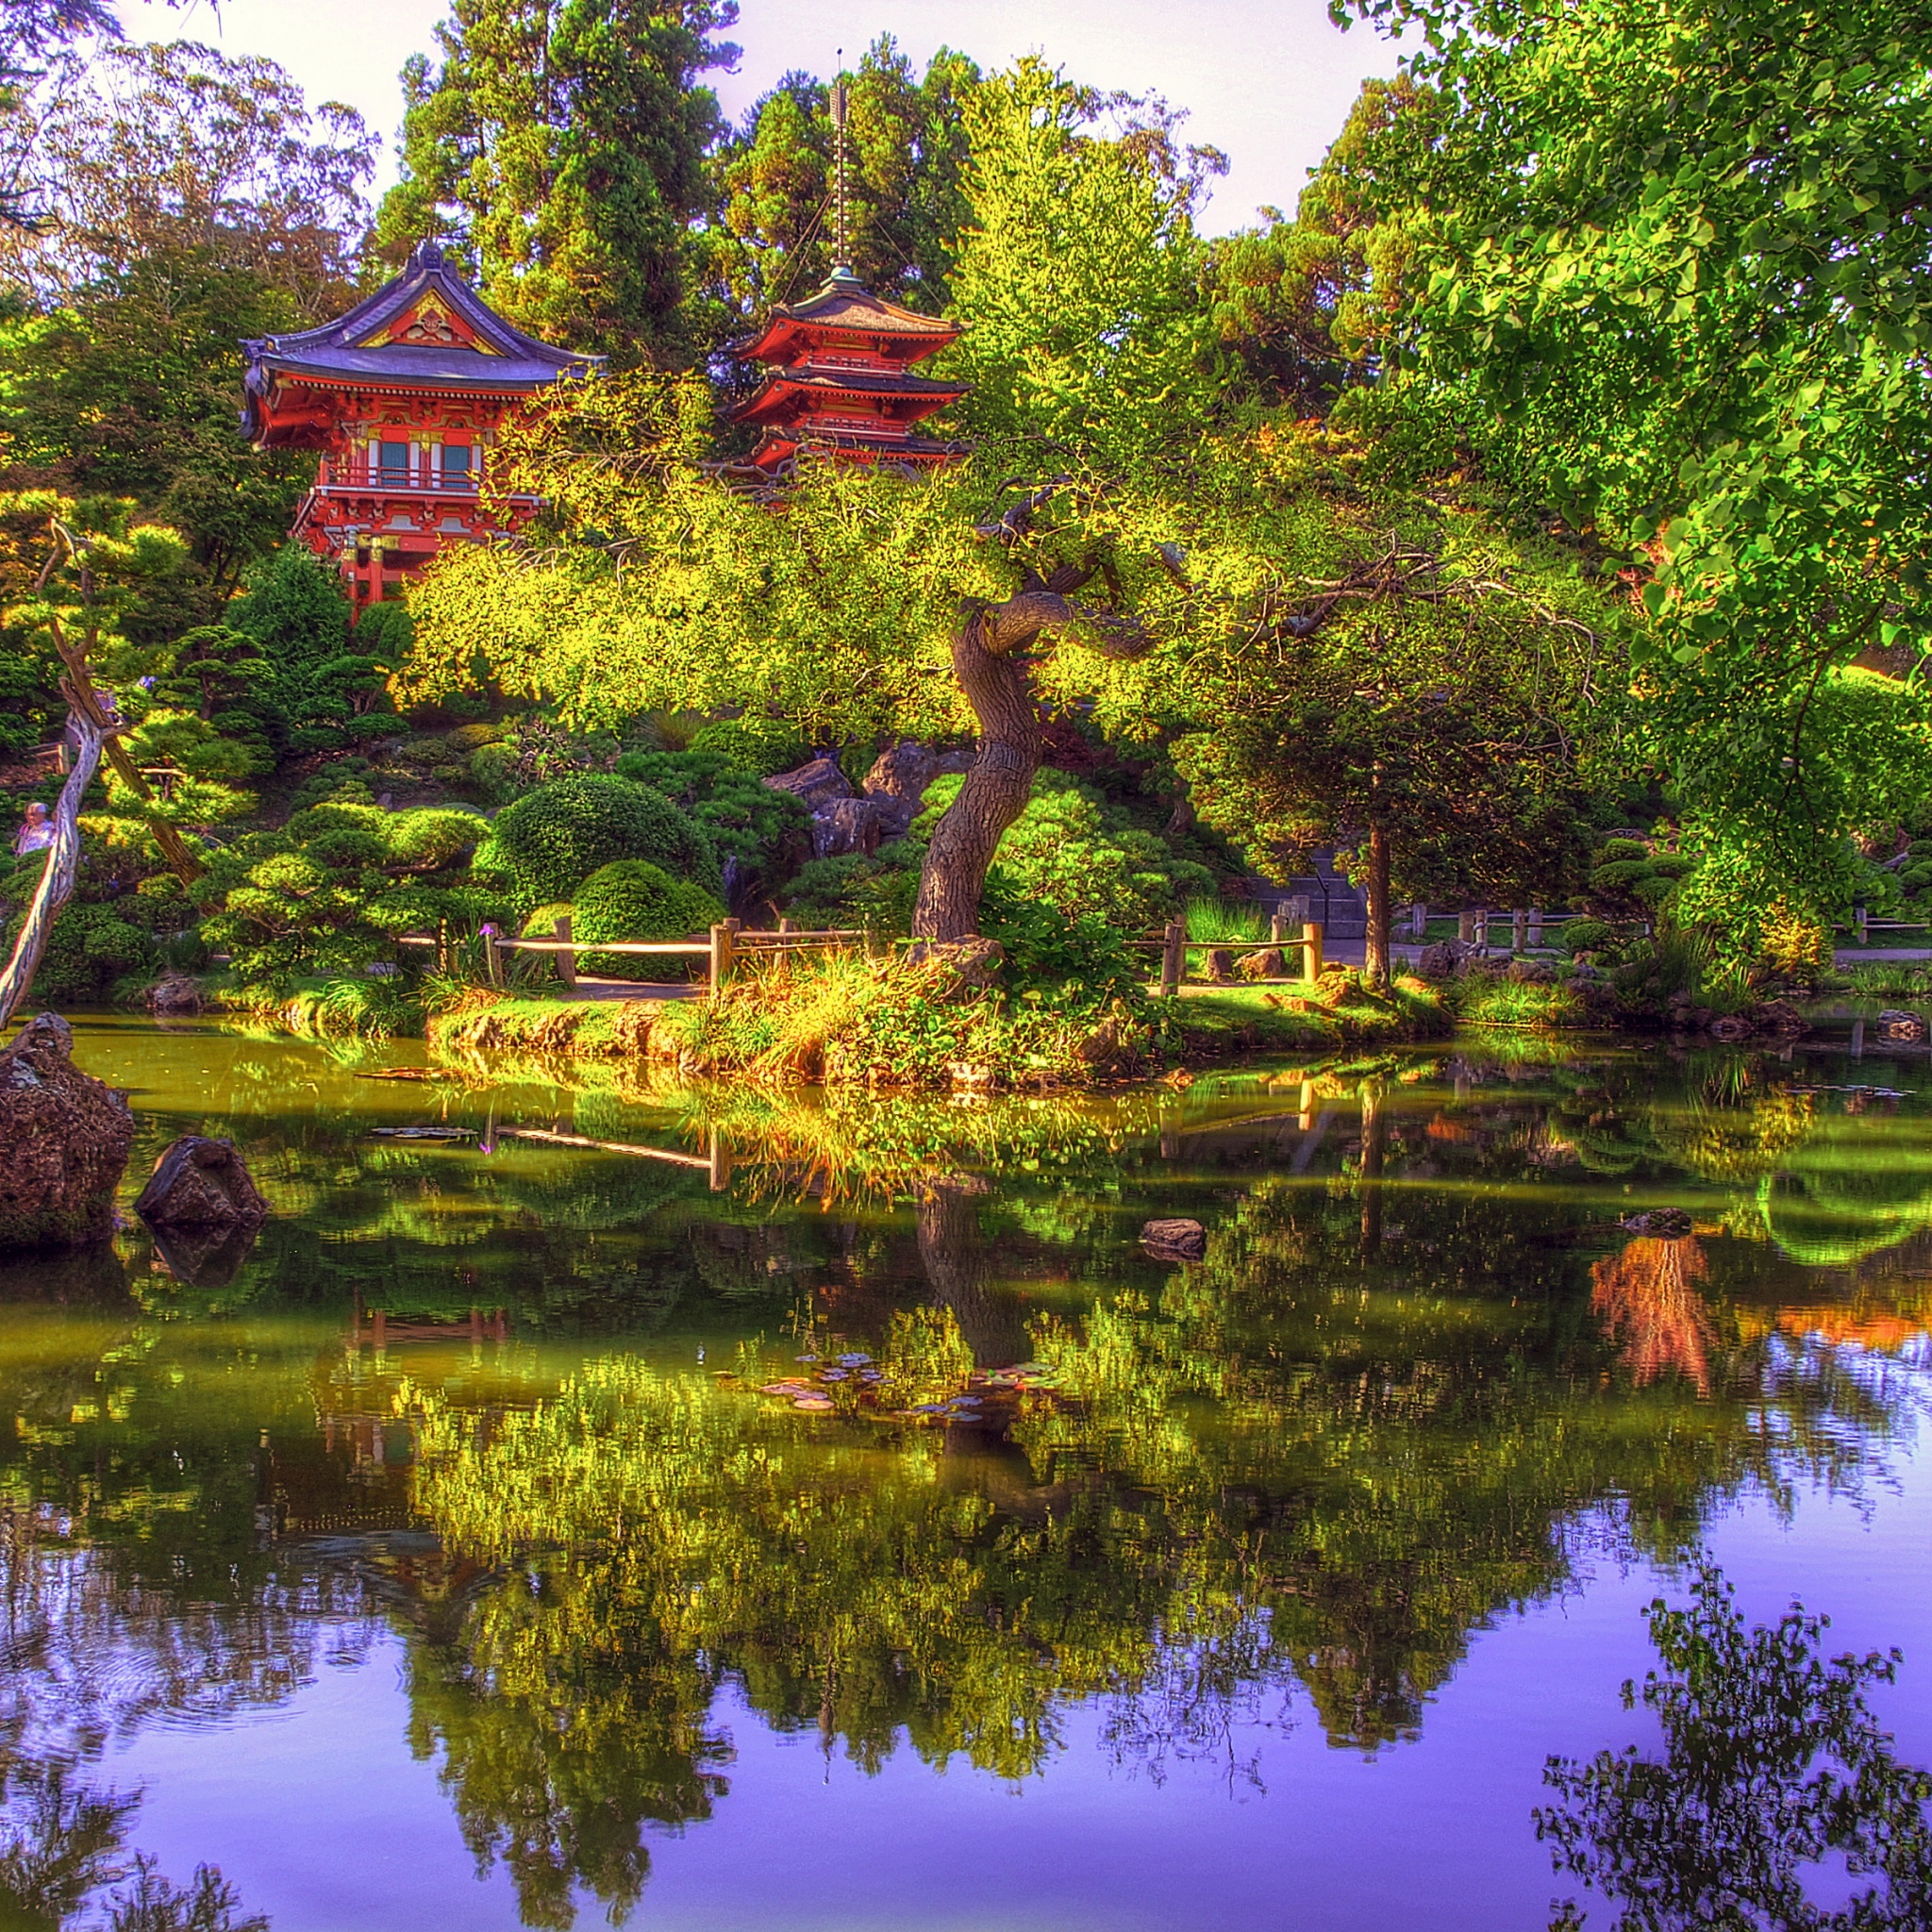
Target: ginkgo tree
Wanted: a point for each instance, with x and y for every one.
(1675, 251)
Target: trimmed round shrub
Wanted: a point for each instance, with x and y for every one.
(1586, 935)
(637, 901)
(547, 843)
(759, 745)
(468, 738)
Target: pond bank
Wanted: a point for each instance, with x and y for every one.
(859, 1022)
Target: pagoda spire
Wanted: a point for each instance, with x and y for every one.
(841, 230)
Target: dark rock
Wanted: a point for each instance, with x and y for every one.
(205, 1257)
(63, 1142)
(1268, 965)
(1781, 1017)
(1531, 972)
(1660, 1223)
(814, 785)
(847, 824)
(1895, 1025)
(1174, 1240)
(1220, 965)
(175, 993)
(201, 1183)
(1441, 960)
(1729, 1028)
(898, 778)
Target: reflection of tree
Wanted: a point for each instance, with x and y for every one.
(1774, 1773)
(1646, 1297)
(59, 1840)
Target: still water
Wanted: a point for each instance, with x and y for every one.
(527, 1533)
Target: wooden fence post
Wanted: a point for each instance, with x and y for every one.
(1419, 922)
(1465, 928)
(721, 937)
(492, 960)
(566, 958)
(1535, 927)
(1174, 957)
(1519, 936)
(1311, 952)
(1860, 918)
(1277, 928)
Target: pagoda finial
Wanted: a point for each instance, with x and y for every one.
(842, 236)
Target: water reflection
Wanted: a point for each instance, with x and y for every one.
(456, 1398)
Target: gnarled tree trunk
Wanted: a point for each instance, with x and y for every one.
(998, 782)
(987, 660)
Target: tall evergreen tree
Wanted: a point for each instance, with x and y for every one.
(562, 144)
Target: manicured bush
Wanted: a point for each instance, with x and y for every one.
(872, 893)
(765, 832)
(547, 843)
(640, 902)
(760, 747)
(331, 891)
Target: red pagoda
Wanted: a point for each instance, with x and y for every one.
(839, 380)
(403, 397)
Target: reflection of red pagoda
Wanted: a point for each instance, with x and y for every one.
(838, 379)
(403, 397)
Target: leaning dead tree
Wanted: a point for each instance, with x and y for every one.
(94, 729)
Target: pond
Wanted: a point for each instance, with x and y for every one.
(853, 1522)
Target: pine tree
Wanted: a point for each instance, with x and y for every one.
(561, 145)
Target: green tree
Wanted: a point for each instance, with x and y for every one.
(562, 144)
(771, 239)
(1674, 248)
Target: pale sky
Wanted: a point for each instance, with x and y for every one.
(1268, 81)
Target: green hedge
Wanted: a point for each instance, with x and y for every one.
(547, 843)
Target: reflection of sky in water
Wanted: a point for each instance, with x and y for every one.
(1422, 1356)
(1430, 1834)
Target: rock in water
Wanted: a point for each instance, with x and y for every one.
(1896, 1025)
(63, 1142)
(1174, 1240)
(201, 1183)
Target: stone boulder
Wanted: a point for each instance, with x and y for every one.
(848, 824)
(1530, 973)
(815, 785)
(64, 1138)
(1893, 1024)
(898, 778)
(1438, 963)
(1175, 1240)
(1267, 965)
(199, 1182)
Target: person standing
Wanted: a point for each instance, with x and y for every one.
(36, 831)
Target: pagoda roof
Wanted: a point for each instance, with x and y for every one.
(822, 385)
(779, 445)
(844, 305)
(427, 329)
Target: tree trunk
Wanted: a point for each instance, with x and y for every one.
(953, 1249)
(1376, 952)
(174, 848)
(1000, 781)
(57, 880)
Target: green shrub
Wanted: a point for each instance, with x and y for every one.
(1070, 849)
(331, 891)
(89, 949)
(547, 843)
(869, 892)
(493, 772)
(1077, 963)
(760, 747)
(637, 901)
(764, 831)
(469, 738)
(1586, 935)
